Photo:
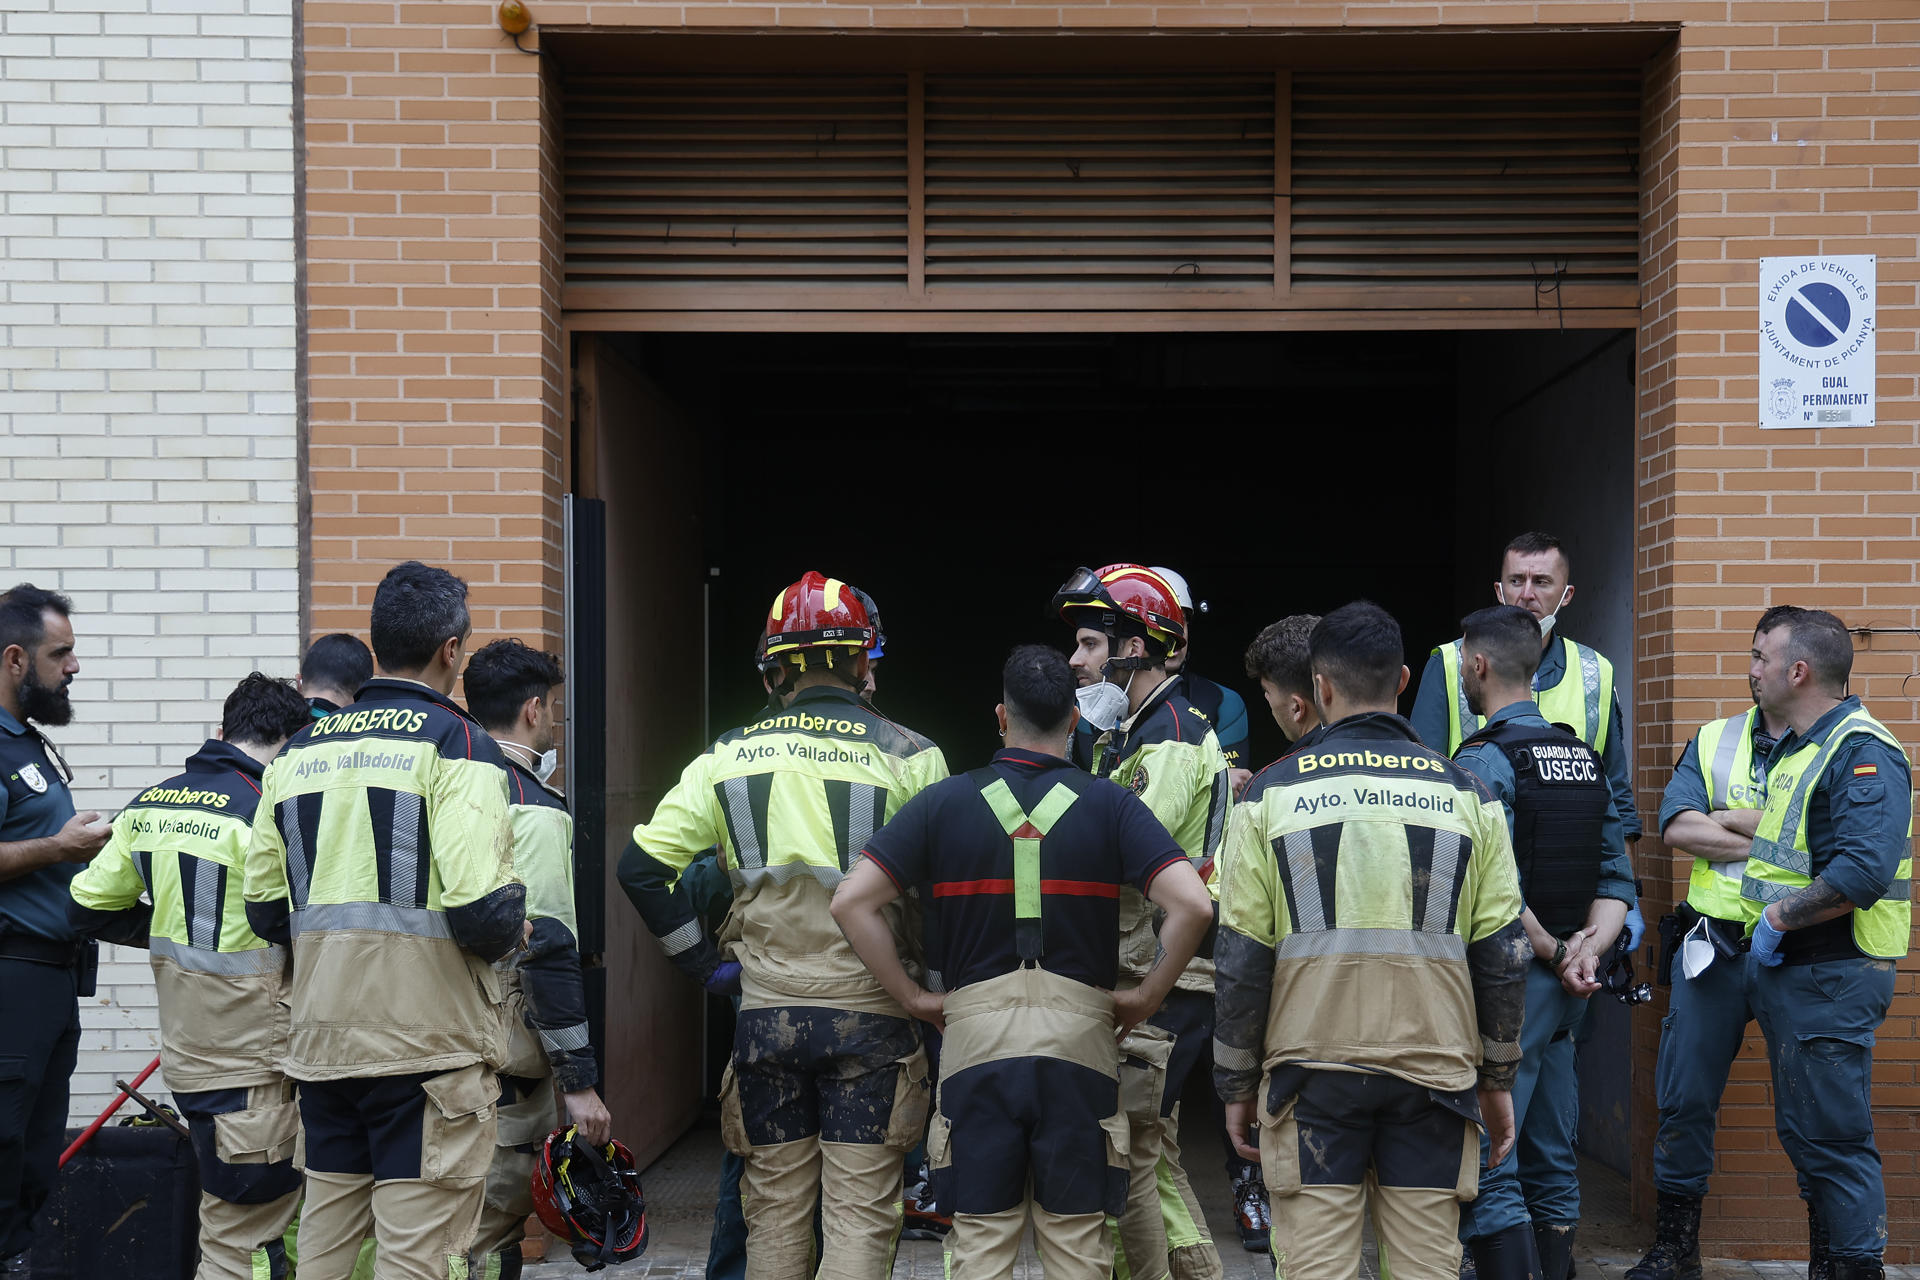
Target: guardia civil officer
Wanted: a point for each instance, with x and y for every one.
(1578, 887)
(1371, 974)
(1829, 876)
(827, 1090)
(510, 689)
(1226, 709)
(221, 987)
(333, 671)
(1127, 623)
(1573, 684)
(387, 864)
(1021, 863)
(1711, 810)
(43, 965)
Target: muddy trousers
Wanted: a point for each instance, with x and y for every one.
(1339, 1142)
(249, 1190)
(824, 1104)
(1028, 1085)
(1819, 1020)
(1706, 1022)
(1140, 1234)
(1191, 1254)
(527, 1114)
(403, 1158)
(1539, 1181)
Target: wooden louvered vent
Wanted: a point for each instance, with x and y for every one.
(1470, 182)
(734, 183)
(1140, 182)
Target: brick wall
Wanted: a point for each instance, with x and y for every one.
(147, 386)
(1770, 128)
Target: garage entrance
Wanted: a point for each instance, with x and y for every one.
(961, 477)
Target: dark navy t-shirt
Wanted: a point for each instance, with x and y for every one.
(34, 803)
(948, 843)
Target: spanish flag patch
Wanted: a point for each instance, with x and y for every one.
(1865, 770)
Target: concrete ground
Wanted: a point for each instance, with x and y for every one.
(681, 1184)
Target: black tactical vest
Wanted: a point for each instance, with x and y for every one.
(1559, 809)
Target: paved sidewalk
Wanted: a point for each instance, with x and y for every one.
(680, 1190)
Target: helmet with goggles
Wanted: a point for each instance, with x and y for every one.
(1122, 600)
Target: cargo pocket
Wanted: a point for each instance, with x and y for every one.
(908, 1122)
(733, 1125)
(13, 1093)
(1280, 1148)
(259, 1135)
(1119, 1136)
(1837, 1067)
(458, 1127)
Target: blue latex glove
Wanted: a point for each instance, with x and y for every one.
(1636, 927)
(725, 979)
(1766, 942)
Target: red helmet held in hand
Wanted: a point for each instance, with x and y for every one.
(590, 1197)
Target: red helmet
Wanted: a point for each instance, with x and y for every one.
(590, 1197)
(818, 612)
(1131, 599)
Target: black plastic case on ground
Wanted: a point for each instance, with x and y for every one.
(126, 1207)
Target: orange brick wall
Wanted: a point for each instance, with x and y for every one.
(437, 376)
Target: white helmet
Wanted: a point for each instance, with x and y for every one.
(1181, 591)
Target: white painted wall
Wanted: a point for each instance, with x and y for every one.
(147, 422)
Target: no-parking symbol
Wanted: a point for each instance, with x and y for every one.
(1816, 341)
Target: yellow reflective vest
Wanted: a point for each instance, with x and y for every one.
(1582, 702)
(1781, 859)
(1724, 752)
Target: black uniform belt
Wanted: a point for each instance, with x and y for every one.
(24, 946)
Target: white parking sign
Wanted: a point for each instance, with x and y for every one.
(1816, 341)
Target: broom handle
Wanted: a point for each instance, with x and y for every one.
(87, 1134)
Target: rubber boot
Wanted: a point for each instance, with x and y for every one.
(1858, 1269)
(1553, 1243)
(1505, 1255)
(1819, 1264)
(1676, 1241)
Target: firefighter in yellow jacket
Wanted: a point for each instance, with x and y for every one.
(1371, 971)
(828, 1087)
(221, 987)
(510, 689)
(1127, 620)
(383, 856)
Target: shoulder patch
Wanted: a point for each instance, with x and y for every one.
(1138, 782)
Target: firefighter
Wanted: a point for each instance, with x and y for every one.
(1828, 880)
(1573, 684)
(510, 690)
(1366, 863)
(387, 863)
(1223, 708)
(1022, 862)
(44, 968)
(1711, 810)
(827, 1090)
(221, 987)
(333, 671)
(1127, 622)
(1578, 887)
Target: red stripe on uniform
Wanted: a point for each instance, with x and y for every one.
(1060, 888)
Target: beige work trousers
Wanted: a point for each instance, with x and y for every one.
(1191, 1254)
(1317, 1231)
(1143, 1079)
(858, 1188)
(233, 1235)
(509, 1186)
(985, 1246)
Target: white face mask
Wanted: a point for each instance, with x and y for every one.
(1101, 705)
(1546, 623)
(1696, 952)
(549, 761)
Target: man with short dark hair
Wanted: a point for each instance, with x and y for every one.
(333, 671)
(1829, 879)
(1573, 684)
(388, 856)
(510, 690)
(43, 965)
(1578, 887)
(221, 987)
(1367, 865)
(1711, 809)
(1021, 864)
(1277, 658)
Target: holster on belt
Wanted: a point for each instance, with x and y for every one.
(1671, 931)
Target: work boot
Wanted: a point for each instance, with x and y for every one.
(1858, 1269)
(1819, 1264)
(1553, 1243)
(18, 1267)
(1251, 1212)
(1676, 1241)
(1468, 1271)
(1504, 1255)
(923, 1219)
